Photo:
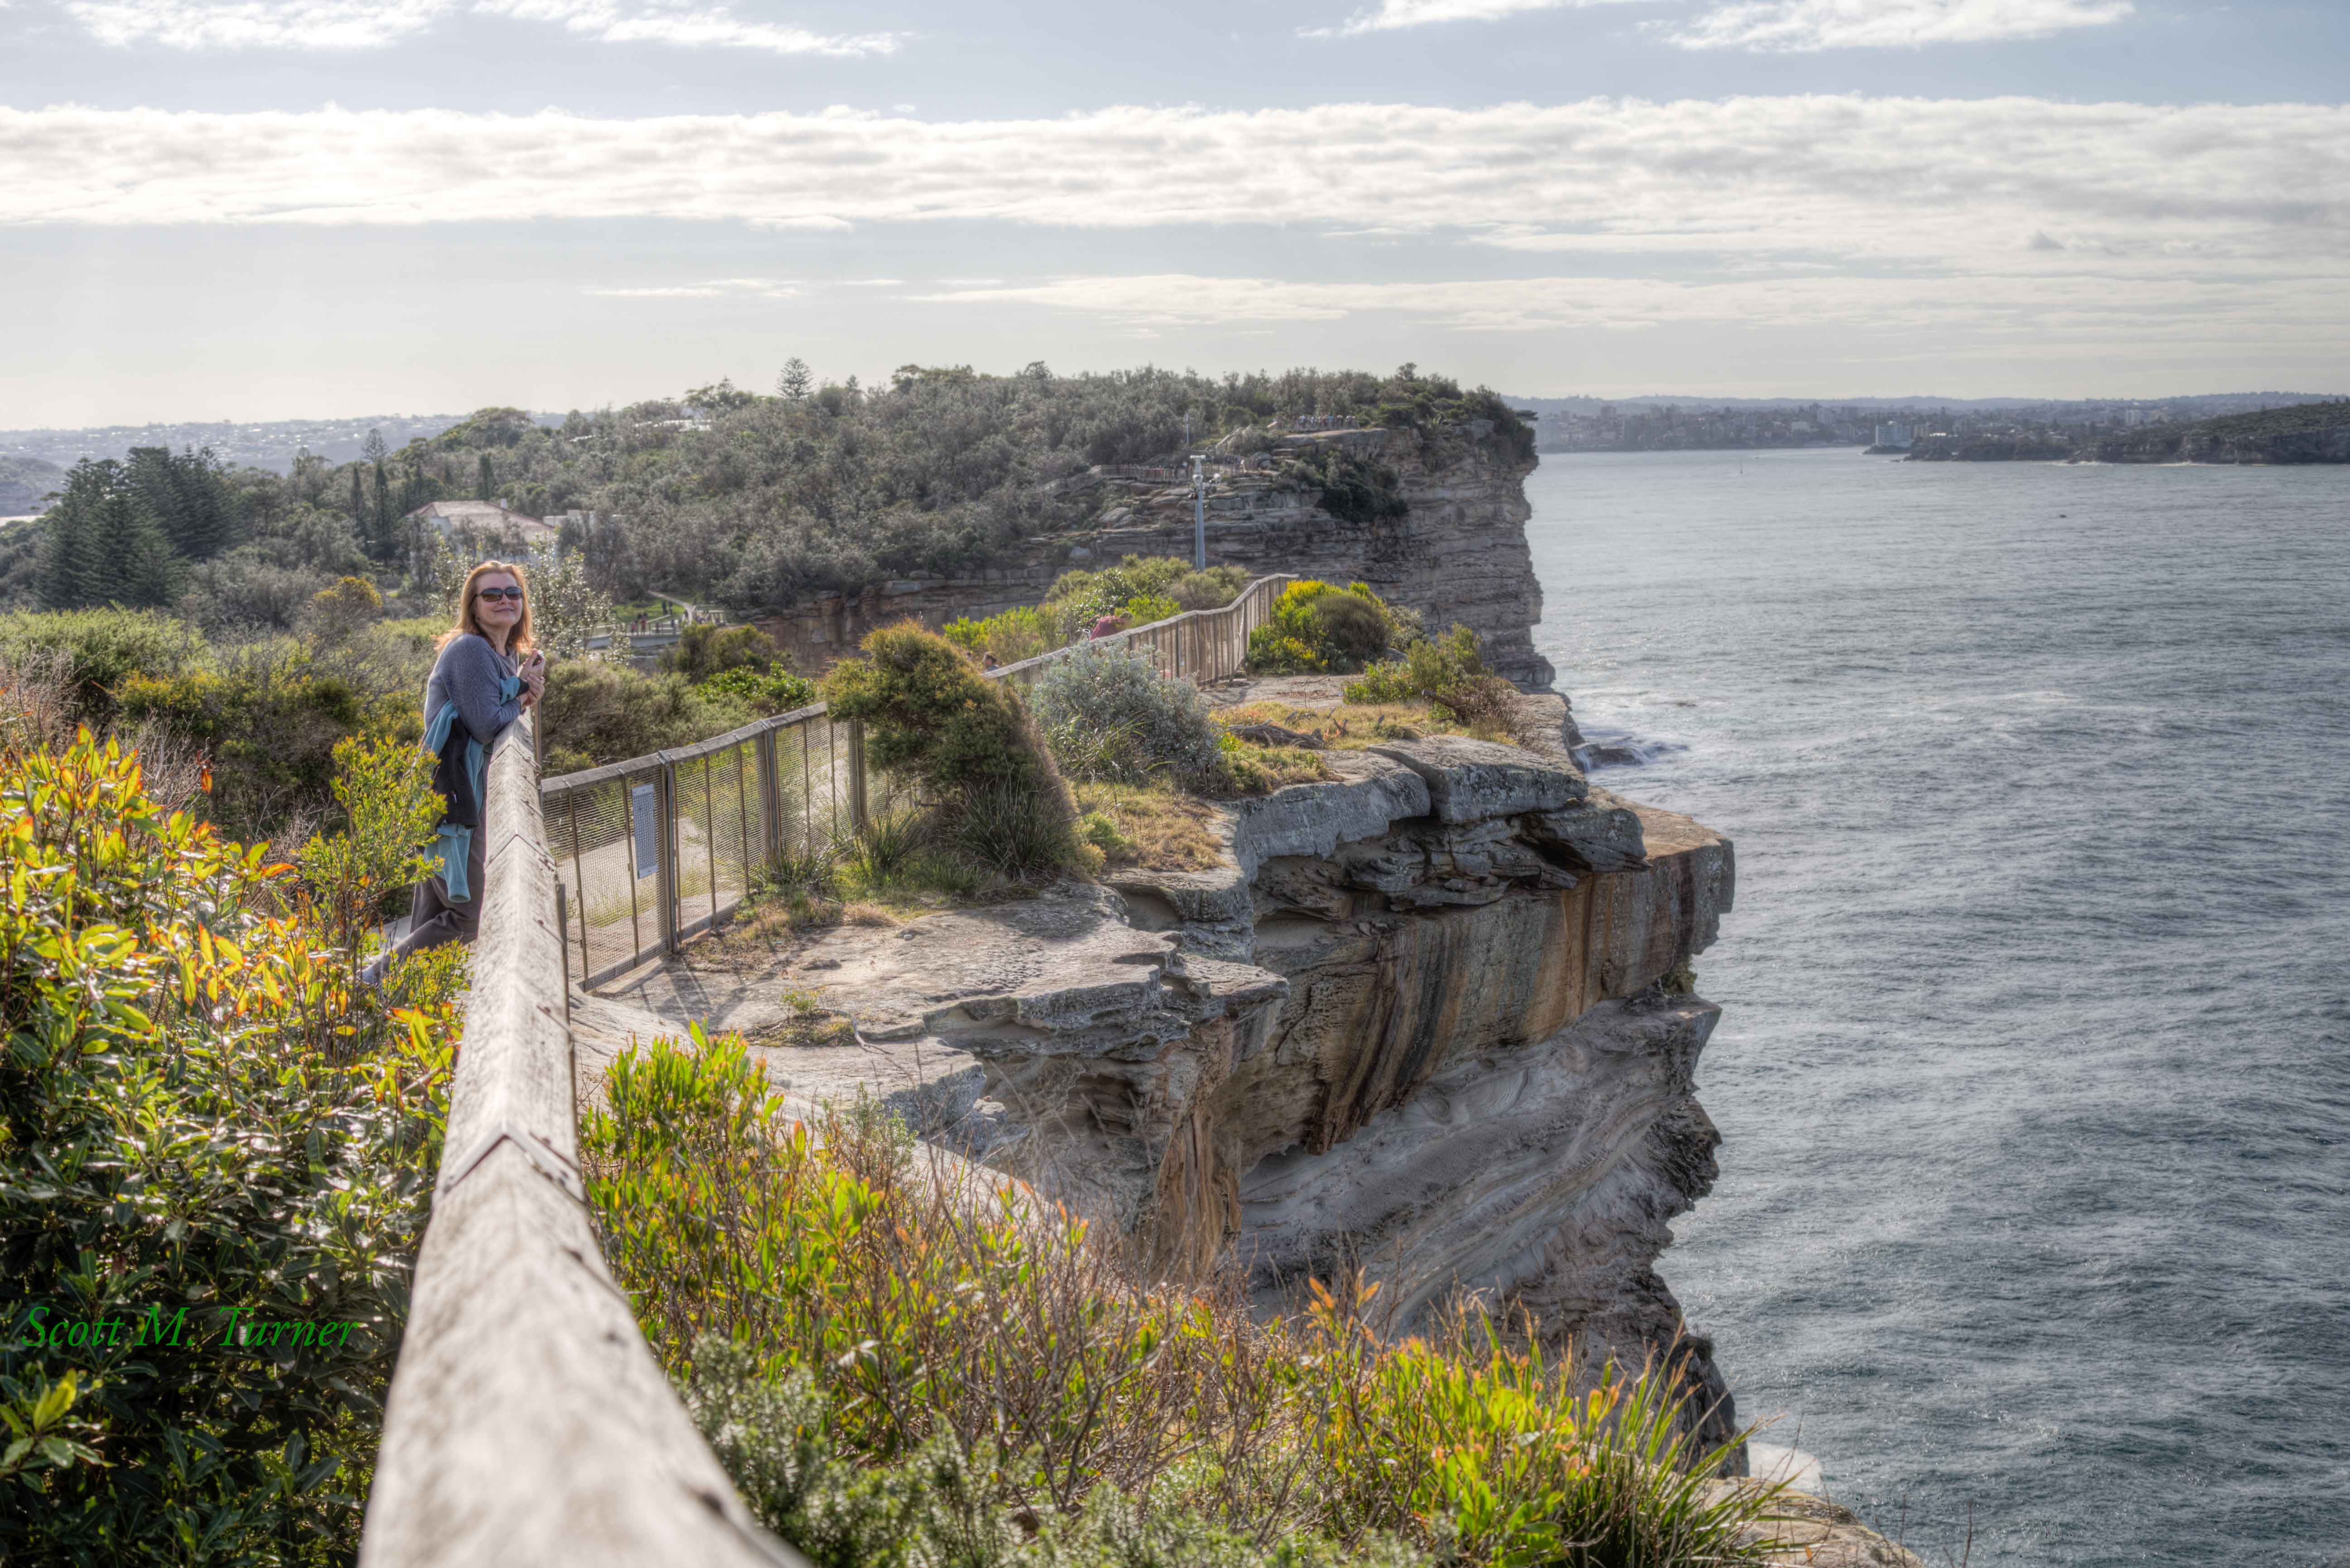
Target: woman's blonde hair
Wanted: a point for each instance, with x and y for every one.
(518, 641)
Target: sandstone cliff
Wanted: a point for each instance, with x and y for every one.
(1432, 1020)
(1457, 553)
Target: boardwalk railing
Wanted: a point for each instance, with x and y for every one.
(528, 1422)
(655, 849)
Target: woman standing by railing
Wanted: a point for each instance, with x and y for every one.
(486, 674)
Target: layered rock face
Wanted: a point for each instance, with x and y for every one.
(1430, 1022)
(1456, 554)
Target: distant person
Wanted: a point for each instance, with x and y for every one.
(987, 661)
(486, 675)
(1108, 626)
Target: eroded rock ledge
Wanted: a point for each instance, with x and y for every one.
(1432, 1020)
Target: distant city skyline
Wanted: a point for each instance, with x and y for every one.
(259, 209)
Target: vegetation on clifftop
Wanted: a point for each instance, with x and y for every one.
(900, 1364)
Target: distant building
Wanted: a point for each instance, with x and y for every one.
(487, 525)
(1896, 435)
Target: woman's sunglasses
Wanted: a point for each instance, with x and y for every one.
(498, 594)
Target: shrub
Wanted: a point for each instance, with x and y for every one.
(340, 612)
(1078, 599)
(766, 693)
(889, 1363)
(703, 650)
(929, 714)
(96, 650)
(197, 1118)
(965, 742)
(248, 589)
(1212, 590)
(1014, 830)
(268, 718)
(1316, 626)
(597, 712)
(1448, 673)
(389, 810)
(1109, 714)
(1012, 637)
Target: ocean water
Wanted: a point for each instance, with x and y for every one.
(2033, 1074)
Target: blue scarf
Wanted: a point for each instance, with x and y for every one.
(453, 845)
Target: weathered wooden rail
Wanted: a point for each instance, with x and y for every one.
(528, 1422)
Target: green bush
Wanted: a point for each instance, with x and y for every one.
(1350, 488)
(703, 650)
(268, 719)
(597, 712)
(1212, 590)
(1079, 598)
(895, 1369)
(198, 1117)
(1012, 637)
(765, 693)
(96, 650)
(930, 716)
(389, 811)
(1109, 714)
(1318, 626)
(1449, 673)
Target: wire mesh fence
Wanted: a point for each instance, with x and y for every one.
(657, 849)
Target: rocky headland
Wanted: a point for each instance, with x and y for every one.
(1457, 551)
(1432, 1018)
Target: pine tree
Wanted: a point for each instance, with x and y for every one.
(487, 482)
(358, 504)
(64, 576)
(135, 567)
(795, 380)
(191, 498)
(379, 538)
(105, 544)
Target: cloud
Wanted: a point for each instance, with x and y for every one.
(1779, 26)
(375, 24)
(716, 289)
(2029, 313)
(1845, 182)
(256, 24)
(690, 27)
(1390, 14)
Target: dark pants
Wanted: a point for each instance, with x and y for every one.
(434, 919)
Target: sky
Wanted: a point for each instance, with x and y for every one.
(270, 208)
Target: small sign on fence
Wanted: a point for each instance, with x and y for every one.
(644, 818)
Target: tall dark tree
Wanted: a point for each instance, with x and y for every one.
(486, 478)
(358, 503)
(384, 531)
(190, 495)
(795, 380)
(105, 544)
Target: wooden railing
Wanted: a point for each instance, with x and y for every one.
(654, 849)
(528, 1421)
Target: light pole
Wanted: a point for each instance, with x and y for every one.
(1198, 512)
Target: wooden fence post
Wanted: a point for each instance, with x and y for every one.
(860, 809)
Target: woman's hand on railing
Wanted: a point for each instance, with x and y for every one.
(534, 679)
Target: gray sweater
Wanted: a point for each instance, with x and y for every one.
(468, 673)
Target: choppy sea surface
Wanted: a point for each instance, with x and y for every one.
(2034, 1072)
